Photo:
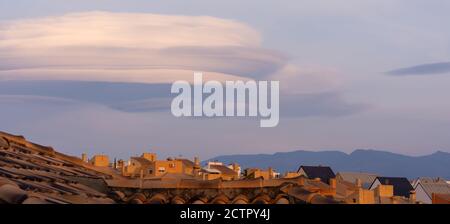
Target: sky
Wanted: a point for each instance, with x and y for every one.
(95, 76)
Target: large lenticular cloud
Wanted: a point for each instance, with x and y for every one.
(131, 47)
(127, 61)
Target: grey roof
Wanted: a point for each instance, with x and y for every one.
(416, 181)
(366, 178)
(435, 187)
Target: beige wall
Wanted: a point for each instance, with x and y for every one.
(100, 160)
(161, 167)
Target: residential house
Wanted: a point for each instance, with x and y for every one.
(100, 160)
(324, 173)
(216, 170)
(400, 185)
(149, 166)
(425, 188)
(268, 174)
(363, 180)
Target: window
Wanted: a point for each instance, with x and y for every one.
(161, 169)
(172, 165)
(150, 171)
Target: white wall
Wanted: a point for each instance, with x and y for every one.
(421, 195)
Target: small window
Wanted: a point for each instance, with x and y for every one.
(161, 169)
(150, 171)
(172, 165)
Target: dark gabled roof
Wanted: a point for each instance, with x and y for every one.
(402, 186)
(322, 172)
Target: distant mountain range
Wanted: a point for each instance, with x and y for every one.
(373, 161)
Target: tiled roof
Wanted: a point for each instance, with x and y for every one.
(30, 173)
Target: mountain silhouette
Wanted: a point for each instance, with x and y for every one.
(361, 160)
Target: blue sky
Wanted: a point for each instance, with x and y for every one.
(364, 74)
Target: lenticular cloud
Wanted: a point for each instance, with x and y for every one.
(132, 47)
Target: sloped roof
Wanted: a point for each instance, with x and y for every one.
(223, 169)
(435, 187)
(402, 186)
(209, 170)
(187, 163)
(322, 172)
(427, 180)
(366, 178)
(143, 161)
(27, 175)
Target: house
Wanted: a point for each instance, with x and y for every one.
(252, 173)
(427, 187)
(363, 180)
(99, 160)
(324, 173)
(149, 166)
(216, 170)
(400, 185)
(136, 166)
(236, 167)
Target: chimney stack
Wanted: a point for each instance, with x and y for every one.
(412, 197)
(333, 183)
(197, 161)
(358, 182)
(84, 157)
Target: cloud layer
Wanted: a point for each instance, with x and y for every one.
(127, 61)
(131, 47)
(423, 69)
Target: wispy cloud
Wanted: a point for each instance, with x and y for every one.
(423, 69)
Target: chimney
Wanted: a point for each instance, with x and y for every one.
(412, 197)
(84, 157)
(197, 162)
(333, 183)
(196, 167)
(358, 182)
(270, 173)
